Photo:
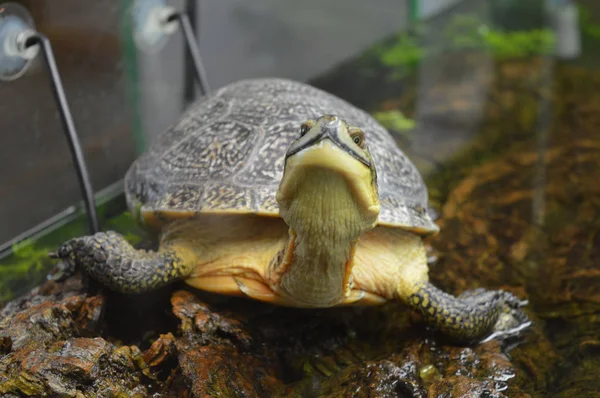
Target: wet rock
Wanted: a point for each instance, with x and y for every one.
(196, 316)
(214, 353)
(48, 322)
(269, 351)
(461, 386)
(74, 368)
(50, 346)
(162, 350)
(424, 369)
(375, 378)
(54, 346)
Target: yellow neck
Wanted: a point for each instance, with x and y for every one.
(325, 224)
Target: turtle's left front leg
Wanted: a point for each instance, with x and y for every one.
(474, 315)
(108, 258)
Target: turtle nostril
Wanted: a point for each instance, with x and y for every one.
(333, 121)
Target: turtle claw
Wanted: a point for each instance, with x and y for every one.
(507, 333)
(512, 303)
(66, 267)
(523, 303)
(511, 318)
(62, 271)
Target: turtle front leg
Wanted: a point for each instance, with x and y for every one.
(110, 259)
(475, 315)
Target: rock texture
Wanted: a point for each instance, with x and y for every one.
(54, 343)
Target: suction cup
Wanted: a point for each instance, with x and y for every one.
(16, 27)
(151, 24)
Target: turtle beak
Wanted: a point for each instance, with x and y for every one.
(328, 152)
(334, 129)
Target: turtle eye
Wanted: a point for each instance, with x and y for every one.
(303, 130)
(358, 138)
(305, 127)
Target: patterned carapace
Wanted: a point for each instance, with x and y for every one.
(226, 155)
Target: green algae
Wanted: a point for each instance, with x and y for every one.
(394, 120)
(463, 32)
(468, 32)
(29, 263)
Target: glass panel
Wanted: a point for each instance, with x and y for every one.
(121, 98)
(38, 179)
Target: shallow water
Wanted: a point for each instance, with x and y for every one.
(510, 150)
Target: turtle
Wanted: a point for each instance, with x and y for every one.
(278, 191)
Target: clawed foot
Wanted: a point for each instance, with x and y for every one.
(86, 251)
(107, 258)
(67, 266)
(511, 318)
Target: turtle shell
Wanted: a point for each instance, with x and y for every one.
(226, 155)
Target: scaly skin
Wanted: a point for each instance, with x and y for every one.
(328, 197)
(473, 315)
(110, 259)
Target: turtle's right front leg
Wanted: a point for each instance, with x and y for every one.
(110, 259)
(475, 315)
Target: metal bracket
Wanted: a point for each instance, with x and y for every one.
(154, 21)
(19, 45)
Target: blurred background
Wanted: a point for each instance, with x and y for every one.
(122, 97)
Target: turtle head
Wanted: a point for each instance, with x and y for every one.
(329, 175)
